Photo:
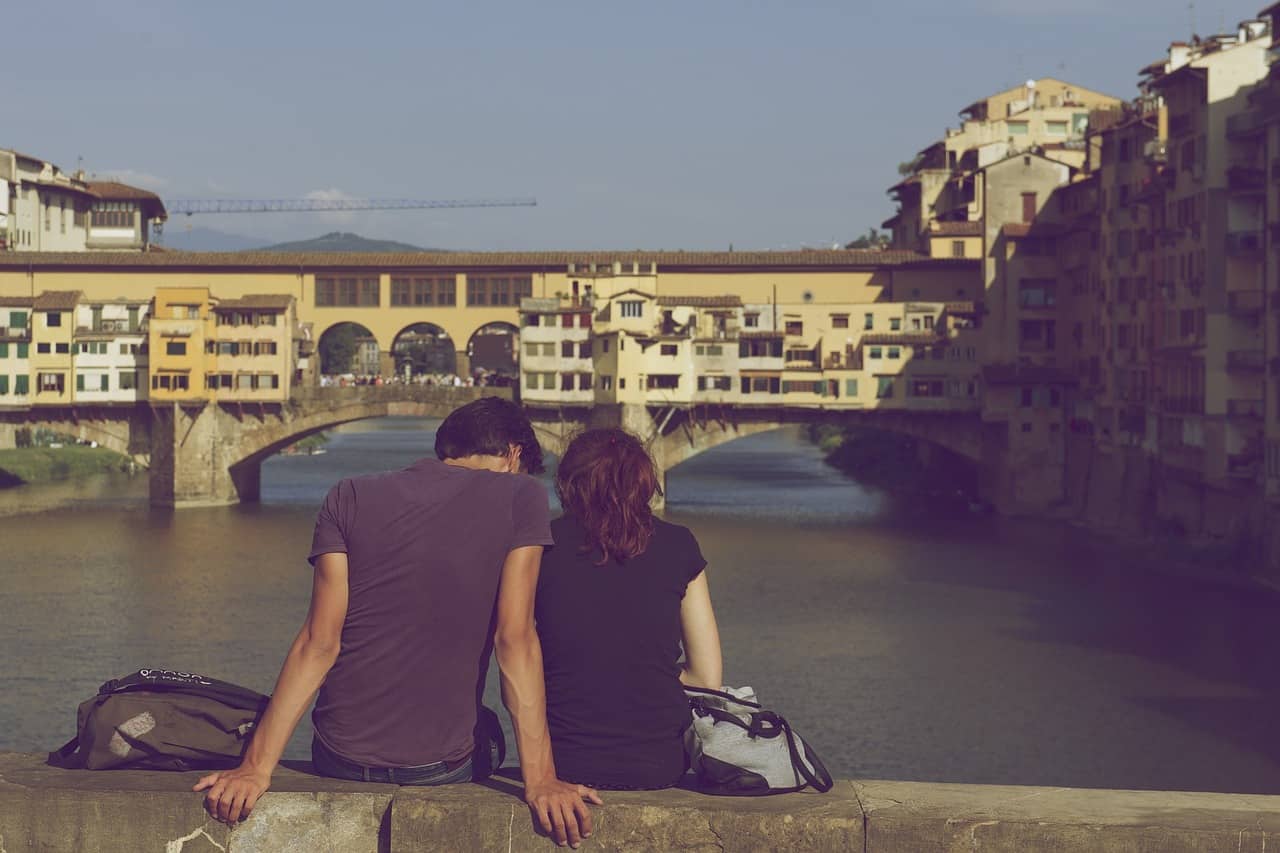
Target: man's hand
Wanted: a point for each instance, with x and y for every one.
(560, 808)
(233, 793)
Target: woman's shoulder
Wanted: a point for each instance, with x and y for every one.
(672, 534)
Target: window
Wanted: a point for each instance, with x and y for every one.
(127, 380)
(794, 327)
(751, 321)
(1056, 128)
(566, 381)
(928, 321)
(622, 383)
(604, 345)
(17, 319)
(714, 383)
(869, 322)
(52, 319)
(875, 352)
(631, 308)
(22, 385)
(663, 381)
(530, 320)
(175, 348)
(4, 350)
(1017, 128)
(62, 349)
(566, 349)
(1028, 207)
(497, 290)
(851, 387)
(264, 348)
(22, 350)
(584, 381)
(915, 324)
(895, 324)
(4, 383)
(111, 215)
(1026, 426)
(425, 291)
(363, 292)
(1027, 397)
(895, 352)
(54, 383)
(884, 387)
(1037, 293)
(957, 248)
(606, 383)
(1037, 335)
(840, 321)
(925, 388)
(669, 349)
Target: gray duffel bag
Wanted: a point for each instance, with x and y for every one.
(736, 747)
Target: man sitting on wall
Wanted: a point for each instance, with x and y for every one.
(408, 567)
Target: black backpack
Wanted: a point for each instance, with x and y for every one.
(160, 719)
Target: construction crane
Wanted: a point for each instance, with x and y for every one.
(193, 206)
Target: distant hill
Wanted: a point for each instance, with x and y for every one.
(206, 240)
(343, 241)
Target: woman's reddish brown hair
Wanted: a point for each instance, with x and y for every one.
(606, 480)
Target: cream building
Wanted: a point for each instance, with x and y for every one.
(52, 338)
(15, 351)
(251, 355)
(110, 351)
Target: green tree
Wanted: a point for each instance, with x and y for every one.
(873, 239)
(338, 348)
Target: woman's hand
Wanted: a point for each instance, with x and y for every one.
(233, 793)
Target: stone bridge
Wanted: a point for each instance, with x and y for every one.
(204, 453)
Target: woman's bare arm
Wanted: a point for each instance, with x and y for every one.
(702, 662)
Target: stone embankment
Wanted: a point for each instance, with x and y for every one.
(44, 809)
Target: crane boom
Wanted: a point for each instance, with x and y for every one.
(191, 206)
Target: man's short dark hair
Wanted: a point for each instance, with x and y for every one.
(488, 427)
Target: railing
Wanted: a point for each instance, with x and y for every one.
(1246, 409)
(1246, 359)
(1245, 302)
(392, 392)
(1244, 242)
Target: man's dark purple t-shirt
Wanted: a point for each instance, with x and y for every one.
(425, 548)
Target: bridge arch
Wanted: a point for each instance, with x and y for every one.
(348, 347)
(424, 349)
(495, 349)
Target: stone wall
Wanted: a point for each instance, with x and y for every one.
(45, 809)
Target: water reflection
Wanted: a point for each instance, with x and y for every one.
(905, 642)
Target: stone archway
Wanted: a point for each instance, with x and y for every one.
(494, 348)
(424, 349)
(349, 348)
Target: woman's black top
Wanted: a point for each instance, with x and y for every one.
(611, 650)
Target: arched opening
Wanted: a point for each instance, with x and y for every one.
(349, 349)
(494, 353)
(424, 349)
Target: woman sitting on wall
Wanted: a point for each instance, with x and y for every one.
(618, 596)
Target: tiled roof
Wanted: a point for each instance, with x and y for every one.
(701, 301)
(904, 338)
(547, 261)
(116, 191)
(961, 308)
(15, 301)
(57, 300)
(278, 301)
(957, 229)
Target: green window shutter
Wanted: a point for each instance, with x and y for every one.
(22, 350)
(79, 381)
(786, 387)
(18, 319)
(4, 350)
(4, 384)
(21, 385)
(103, 383)
(820, 388)
(851, 387)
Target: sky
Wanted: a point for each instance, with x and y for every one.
(697, 124)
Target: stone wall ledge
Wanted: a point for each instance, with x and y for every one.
(45, 809)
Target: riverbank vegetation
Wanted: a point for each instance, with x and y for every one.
(897, 464)
(26, 465)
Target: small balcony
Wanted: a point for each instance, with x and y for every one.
(1246, 360)
(1156, 151)
(1246, 410)
(1245, 303)
(1245, 465)
(1244, 242)
(1246, 179)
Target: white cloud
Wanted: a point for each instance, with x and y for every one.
(335, 217)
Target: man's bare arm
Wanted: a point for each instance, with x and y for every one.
(233, 793)
(557, 806)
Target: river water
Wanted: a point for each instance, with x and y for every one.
(902, 642)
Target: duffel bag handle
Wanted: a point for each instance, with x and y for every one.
(819, 778)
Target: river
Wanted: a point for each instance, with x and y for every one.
(902, 642)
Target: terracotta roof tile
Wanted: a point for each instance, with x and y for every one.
(15, 301)
(116, 191)
(701, 301)
(549, 261)
(278, 301)
(57, 300)
(957, 229)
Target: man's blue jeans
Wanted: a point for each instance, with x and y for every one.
(326, 763)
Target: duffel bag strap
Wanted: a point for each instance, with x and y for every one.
(62, 756)
(819, 778)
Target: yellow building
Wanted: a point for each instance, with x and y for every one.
(182, 322)
(52, 335)
(251, 355)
